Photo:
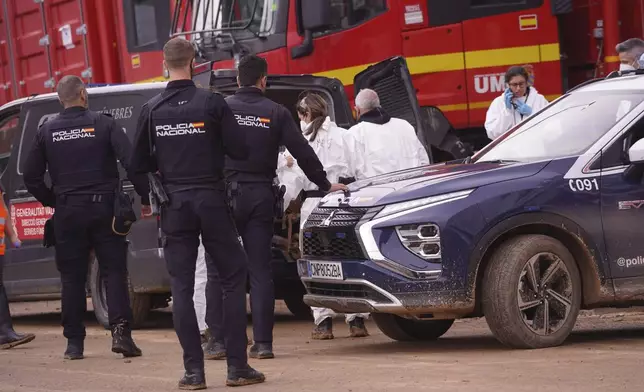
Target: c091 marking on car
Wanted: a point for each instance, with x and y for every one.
(583, 185)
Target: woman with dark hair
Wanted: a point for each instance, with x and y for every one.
(518, 102)
(332, 146)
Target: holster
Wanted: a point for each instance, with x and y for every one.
(278, 193)
(124, 215)
(232, 191)
(158, 195)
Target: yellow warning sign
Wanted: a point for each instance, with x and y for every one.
(528, 22)
(136, 61)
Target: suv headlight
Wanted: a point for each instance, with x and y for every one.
(424, 202)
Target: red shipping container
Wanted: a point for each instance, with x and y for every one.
(43, 40)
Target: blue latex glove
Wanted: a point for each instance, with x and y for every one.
(523, 108)
(507, 97)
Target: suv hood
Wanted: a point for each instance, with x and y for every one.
(428, 181)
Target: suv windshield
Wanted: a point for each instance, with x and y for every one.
(256, 16)
(566, 128)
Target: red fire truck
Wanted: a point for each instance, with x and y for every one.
(456, 50)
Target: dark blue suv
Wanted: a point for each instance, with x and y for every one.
(542, 222)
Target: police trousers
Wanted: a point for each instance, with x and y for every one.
(190, 214)
(83, 223)
(254, 218)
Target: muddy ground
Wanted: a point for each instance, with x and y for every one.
(605, 353)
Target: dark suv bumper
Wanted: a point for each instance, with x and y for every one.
(367, 287)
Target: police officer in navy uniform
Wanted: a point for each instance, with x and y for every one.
(80, 149)
(267, 126)
(192, 130)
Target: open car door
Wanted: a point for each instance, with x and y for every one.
(391, 79)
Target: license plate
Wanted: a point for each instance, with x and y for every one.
(325, 270)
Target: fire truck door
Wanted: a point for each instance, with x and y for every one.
(391, 80)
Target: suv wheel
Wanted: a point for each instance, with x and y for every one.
(406, 330)
(531, 292)
(140, 303)
(294, 301)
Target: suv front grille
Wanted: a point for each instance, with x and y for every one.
(344, 290)
(330, 233)
(328, 244)
(342, 217)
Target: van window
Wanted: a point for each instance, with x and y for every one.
(8, 132)
(483, 8)
(147, 24)
(442, 12)
(350, 13)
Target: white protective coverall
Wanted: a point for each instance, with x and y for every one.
(384, 146)
(499, 118)
(332, 146)
(291, 177)
(199, 297)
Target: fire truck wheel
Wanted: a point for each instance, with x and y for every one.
(141, 303)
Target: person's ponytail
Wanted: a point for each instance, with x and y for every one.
(317, 107)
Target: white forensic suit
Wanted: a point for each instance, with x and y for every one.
(291, 177)
(383, 144)
(332, 146)
(199, 297)
(499, 118)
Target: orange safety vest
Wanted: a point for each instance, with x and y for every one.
(3, 219)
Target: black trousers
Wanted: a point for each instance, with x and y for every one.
(5, 316)
(254, 218)
(81, 225)
(205, 212)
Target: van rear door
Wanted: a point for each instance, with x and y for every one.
(31, 269)
(287, 89)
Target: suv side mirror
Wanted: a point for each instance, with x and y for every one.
(636, 152)
(316, 16)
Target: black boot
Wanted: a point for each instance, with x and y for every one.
(12, 339)
(240, 377)
(357, 329)
(261, 351)
(122, 342)
(214, 350)
(323, 331)
(8, 337)
(193, 380)
(75, 349)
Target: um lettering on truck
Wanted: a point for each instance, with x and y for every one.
(73, 134)
(252, 121)
(180, 129)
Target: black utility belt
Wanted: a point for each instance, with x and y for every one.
(90, 198)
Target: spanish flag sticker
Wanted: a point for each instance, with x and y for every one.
(265, 120)
(528, 22)
(88, 129)
(198, 125)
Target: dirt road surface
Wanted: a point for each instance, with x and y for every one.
(606, 353)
